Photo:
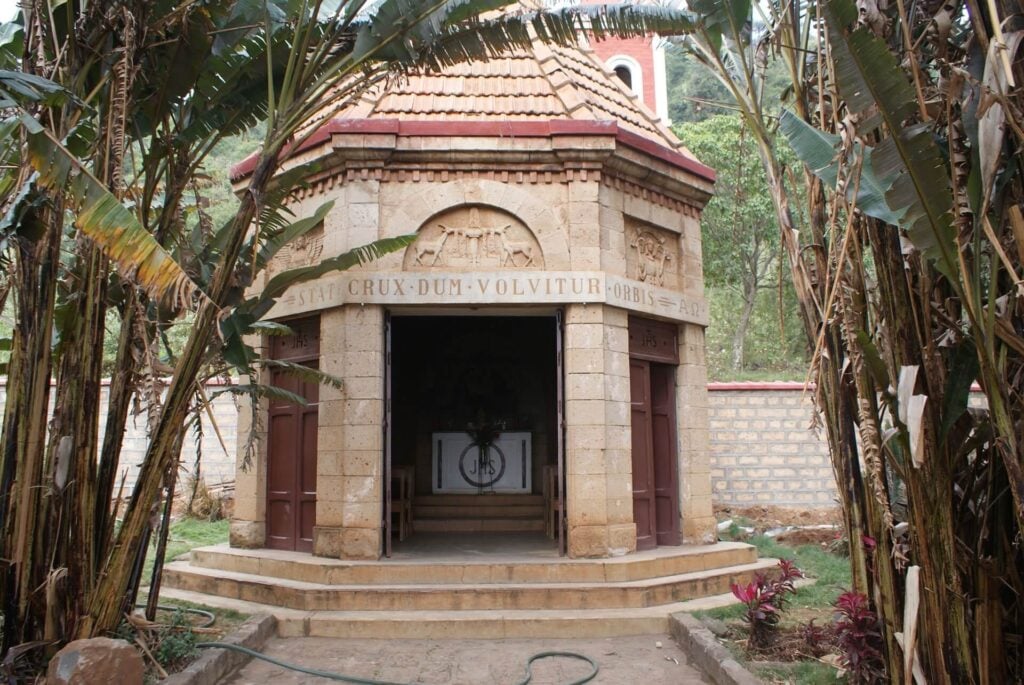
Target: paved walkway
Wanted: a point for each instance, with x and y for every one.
(623, 661)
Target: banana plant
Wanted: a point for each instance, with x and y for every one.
(916, 139)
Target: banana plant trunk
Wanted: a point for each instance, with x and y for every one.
(24, 429)
(106, 604)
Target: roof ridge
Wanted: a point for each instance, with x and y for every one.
(563, 87)
(638, 105)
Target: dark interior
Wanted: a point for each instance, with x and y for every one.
(451, 371)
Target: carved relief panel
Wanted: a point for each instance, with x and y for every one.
(475, 239)
(652, 255)
(304, 250)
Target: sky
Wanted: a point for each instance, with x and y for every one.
(7, 9)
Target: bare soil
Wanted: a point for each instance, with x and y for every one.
(765, 517)
(812, 536)
(792, 643)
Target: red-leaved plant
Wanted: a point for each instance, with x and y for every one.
(765, 599)
(859, 639)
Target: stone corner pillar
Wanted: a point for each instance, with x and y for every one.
(350, 441)
(248, 527)
(598, 464)
(698, 520)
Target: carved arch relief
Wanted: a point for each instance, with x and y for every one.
(474, 238)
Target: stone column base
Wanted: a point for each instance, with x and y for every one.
(601, 542)
(700, 530)
(361, 543)
(337, 542)
(327, 541)
(247, 534)
(621, 539)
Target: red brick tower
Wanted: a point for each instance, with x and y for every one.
(639, 62)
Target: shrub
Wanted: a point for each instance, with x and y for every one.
(817, 639)
(175, 643)
(858, 637)
(765, 599)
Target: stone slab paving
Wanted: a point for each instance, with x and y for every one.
(633, 660)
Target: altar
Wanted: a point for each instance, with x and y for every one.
(462, 466)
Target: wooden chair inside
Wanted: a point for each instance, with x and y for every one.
(552, 502)
(402, 490)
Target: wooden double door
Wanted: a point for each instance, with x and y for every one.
(292, 445)
(654, 452)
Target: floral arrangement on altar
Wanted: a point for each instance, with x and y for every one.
(484, 431)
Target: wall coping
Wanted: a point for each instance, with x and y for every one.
(755, 386)
(762, 386)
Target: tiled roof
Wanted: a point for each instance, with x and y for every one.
(547, 82)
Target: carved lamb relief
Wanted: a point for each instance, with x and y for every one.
(653, 256)
(474, 238)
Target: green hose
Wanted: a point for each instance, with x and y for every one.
(365, 681)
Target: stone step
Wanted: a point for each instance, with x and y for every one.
(434, 625)
(441, 511)
(486, 525)
(462, 597)
(484, 500)
(663, 561)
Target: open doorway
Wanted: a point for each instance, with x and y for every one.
(473, 431)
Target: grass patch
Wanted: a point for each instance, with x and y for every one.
(185, 534)
(832, 576)
(802, 672)
(831, 573)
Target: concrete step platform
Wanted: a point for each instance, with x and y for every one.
(463, 562)
(433, 625)
(461, 597)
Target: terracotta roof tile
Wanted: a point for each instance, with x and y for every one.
(546, 82)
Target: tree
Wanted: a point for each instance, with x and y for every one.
(737, 228)
(116, 105)
(694, 94)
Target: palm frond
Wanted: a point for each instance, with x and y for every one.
(819, 150)
(107, 222)
(907, 160)
(360, 255)
(257, 391)
(305, 373)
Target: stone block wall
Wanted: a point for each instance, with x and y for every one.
(763, 452)
(218, 462)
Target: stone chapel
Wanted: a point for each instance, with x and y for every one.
(534, 362)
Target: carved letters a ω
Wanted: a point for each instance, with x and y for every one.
(653, 255)
(474, 238)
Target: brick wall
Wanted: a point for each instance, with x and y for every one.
(762, 450)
